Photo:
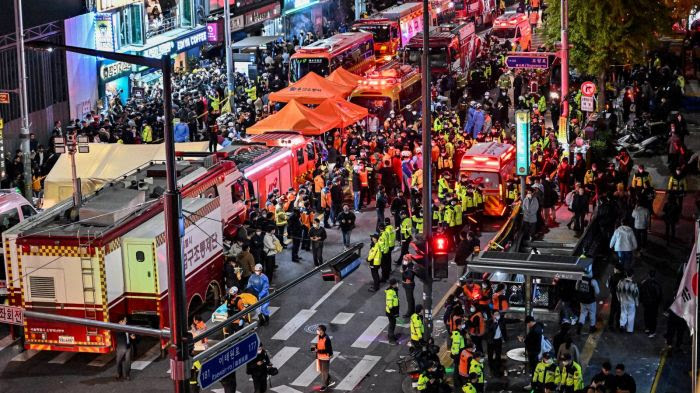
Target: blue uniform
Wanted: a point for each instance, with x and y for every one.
(261, 284)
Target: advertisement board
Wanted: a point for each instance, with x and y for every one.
(522, 143)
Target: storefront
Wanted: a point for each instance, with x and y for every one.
(248, 18)
(304, 16)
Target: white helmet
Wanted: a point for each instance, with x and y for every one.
(258, 267)
(233, 290)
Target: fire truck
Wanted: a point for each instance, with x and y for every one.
(393, 28)
(390, 88)
(107, 259)
(515, 28)
(453, 47)
(481, 12)
(490, 164)
(444, 9)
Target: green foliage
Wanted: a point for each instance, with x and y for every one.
(608, 32)
(602, 147)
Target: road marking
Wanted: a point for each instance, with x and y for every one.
(147, 358)
(326, 296)
(283, 355)
(24, 356)
(284, 389)
(6, 342)
(102, 360)
(310, 374)
(293, 324)
(221, 391)
(372, 331)
(342, 318)
(273, 310)
(62, 358)
(358, 372)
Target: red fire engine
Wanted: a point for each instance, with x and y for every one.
(452, 48)
(481, 12)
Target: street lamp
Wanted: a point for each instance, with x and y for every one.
(179, 352)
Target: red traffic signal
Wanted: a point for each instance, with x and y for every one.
(440, 244)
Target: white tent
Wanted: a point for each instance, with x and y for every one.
(105, 162)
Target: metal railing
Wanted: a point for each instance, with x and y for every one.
(161, 25)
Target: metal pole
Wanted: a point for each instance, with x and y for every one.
(694, 360)
(23, 105)
(564, 58)
(116, 327)
(230, 81)
(77, 197)
(427, 165)
(179, 351)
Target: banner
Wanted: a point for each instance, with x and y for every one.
(686, 298)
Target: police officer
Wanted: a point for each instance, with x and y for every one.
(457, 343)
(374, 258)
(640, 178)
(677, 184)
(476, 366)
(416, 326)
(408, 281)
(511, 192)
(470, 387)
(392, 308)
(568, 376)
(544, 373)
(405, 230)
(389, 234)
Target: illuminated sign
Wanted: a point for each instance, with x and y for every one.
(215, 31)
(178, 45)
(522, 143)
(104, 33)
(104, 5)
(262, 14)
(114, 70)
(190, 41)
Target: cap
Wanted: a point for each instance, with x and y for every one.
(233, 290)
(258, 267)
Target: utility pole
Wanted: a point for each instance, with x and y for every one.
(23, 105)
(230, 81)
(179, 350)
(427, 165)
(564, 59)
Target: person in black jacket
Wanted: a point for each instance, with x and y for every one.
(580, 208)
(397, 206)
(125, 342)
(257, 369)
(496, 335)
(346, 218)
(294, 231)
(336, 200)
(317, 234)
(650, 295)
(533, 342)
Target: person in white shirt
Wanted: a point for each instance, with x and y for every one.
(628, 294)
(641, 217)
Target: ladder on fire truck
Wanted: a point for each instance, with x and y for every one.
(88, 282)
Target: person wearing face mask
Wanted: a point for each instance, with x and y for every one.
(317, 234)
(530, 207)
(544, 374)
(392, 308)
(477, 327)
(640, 178)
(261, 285)
(568, 376)
(476, 366)
(346, 220)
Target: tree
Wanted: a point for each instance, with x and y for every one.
(607, 32)
(681, 9)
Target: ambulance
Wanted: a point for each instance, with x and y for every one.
(490, 164)
(515, 28)
(390, 89)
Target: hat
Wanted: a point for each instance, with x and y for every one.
(258, 267)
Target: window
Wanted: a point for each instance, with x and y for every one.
(42, 287)
(300, 156)
(27, 211)
(236, 192)
(9, 219)
(310, 152)
(140, 256)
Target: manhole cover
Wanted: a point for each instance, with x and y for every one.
(311, 329)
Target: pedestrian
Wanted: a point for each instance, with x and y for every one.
(650, 295)
(605, 379)
(388, 238)
(496, 335)
(624, 383)
(125, 343)
(672, 214)
(317, 234)
(374, 258)
(392, 308)
(587, 289)
(568, 348)
(628, 294)
(346, 220)
(579, 207)
(294, 231)
(324, 352)
(257, 369)
(623, 242)
(530, 208)
(642, 218)
(405, 232)
(261, 285)
(229, 383)
(417, 327)
(533, 343)
(408, 281)
(280, 222)
(380, 204)
(271, 247)
(614, 279)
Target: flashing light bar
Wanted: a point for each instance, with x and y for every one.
(269, 163)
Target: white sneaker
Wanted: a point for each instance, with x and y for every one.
(651, 335)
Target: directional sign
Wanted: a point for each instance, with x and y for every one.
(588, 89)
(4, 98)
(227, 361)
(587, 104)
(12, 315)
(531, 61)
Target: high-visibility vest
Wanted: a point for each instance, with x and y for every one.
(196, 366)
(375, 255)
(458, 214)
(478, 198)
(500, 302)
(325, 199)
(468, 388)
(449, 216)
(467, 201)
(477, 368)
(422, 382)
(392, 299)
(438, 214)
(477, 325)
(321, 345)
(569, 376)
(418, 222)
(390, 236)
(417, 327)
(539, 374)
(383, 243)
(589, 177)
(280, 218)
(319, 183)
(443, 187)
(512, 192)
(406, 228)
(639, 179)
(457, 342)
(675, 184)
(465, 357)
(364, 182)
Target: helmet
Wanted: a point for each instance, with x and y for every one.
(233, 290)
(258, 267)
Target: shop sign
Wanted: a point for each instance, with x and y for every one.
(271, 11)
(215, 31)
(296, 5)
(237, 22)
(166, 48)
(114, 70)
(104, 32)
(193, 40)
(104, 5)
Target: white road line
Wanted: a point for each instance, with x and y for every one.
(358, 372)
(372, 331)
(293, 324)
(221, 391)
(62, 358)
(273, 310)
(284, 389)
(6, 342)
(342, 318)
(326, 296)
(24, 356)
(283, 355)
(310, 374)
(147, 358)
(102, 360)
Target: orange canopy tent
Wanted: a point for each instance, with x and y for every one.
(312, 89)
(344, 77)
(295, 117)
(348, 112)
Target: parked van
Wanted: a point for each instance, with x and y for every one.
(13, 210)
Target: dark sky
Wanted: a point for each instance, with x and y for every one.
(38, 12)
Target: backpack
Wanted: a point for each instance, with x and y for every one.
(570, 200)
(545, 347)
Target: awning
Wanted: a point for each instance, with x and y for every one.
(254, 42)
(346, 111)
(536, 265)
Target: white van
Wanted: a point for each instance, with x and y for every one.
(14, 208)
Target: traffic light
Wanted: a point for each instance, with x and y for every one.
(440, 256)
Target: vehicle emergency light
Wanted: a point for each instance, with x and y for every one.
(440, 256)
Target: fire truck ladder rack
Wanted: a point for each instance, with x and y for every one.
(88, 281)
(246, 156)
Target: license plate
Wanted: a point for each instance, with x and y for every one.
(66, 340)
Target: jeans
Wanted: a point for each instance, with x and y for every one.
(346, 238)
(641, 235)
(587, 310)
(356, 200)
(410, 300)
(627, 312)
(625, 258)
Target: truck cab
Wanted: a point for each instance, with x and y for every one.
(14, 208)
(490, 164)
(515, 28)
(445, 52)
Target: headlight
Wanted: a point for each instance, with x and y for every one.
(554, 95)
(387, 58)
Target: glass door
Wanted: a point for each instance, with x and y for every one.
(187, 14)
